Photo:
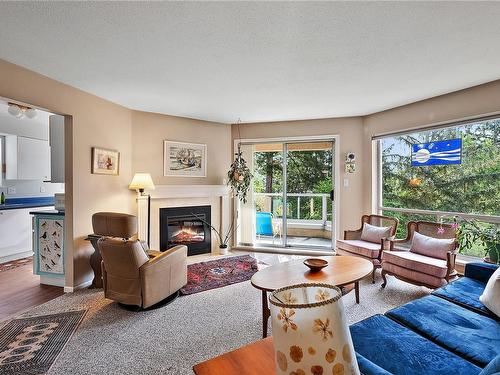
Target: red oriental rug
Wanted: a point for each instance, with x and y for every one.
(218, 273)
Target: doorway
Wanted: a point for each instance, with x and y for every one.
(291, 202)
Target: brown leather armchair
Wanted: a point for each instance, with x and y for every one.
(133, 274)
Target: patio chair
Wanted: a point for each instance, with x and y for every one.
(426, 257)
(370, 240)
(264, 225)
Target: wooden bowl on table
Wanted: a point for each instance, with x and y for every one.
(315, 264)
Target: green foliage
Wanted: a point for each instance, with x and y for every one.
(470, 187)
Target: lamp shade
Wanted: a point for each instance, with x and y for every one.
(142, 181)
(310, 332)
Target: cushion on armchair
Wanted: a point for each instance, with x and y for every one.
(364, 248)
(374, 234)
(413, 261)
(491, 295)
(430, 246)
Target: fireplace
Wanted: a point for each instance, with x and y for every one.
(183, 226)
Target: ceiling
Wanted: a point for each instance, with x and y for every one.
(258, 61)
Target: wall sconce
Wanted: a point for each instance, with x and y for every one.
(350, 162)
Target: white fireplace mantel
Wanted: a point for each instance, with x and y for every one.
(218, 196)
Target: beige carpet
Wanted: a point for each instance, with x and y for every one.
(171, 339)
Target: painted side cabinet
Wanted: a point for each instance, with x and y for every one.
(48, 246)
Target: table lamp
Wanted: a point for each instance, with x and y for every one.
(310, 332)
(141, 182)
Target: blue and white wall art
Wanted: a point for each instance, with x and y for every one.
(437, 153)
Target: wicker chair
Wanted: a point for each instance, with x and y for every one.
(424, 270)
(352, 244)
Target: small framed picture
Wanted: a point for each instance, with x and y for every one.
(105, 161)
(184, 159)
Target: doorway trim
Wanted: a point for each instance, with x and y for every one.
(336, 177)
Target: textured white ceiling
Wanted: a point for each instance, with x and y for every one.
(259, 61)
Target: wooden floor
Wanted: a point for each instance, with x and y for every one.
(20, 290)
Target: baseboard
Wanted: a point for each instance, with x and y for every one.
(288, 251)
(10, 258)
(71, 289)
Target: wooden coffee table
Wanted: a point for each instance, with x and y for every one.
(253, 359)
(341, 271)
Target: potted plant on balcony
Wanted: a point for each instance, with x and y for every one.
(470, 233)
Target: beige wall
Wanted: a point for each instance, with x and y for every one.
(95, 122)
(350, 132)
(149, 130)
(478, 101)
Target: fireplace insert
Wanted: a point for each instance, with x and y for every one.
(186, 226)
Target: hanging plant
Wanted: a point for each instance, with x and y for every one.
(239, 176)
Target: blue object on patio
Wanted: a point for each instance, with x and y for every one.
(264, 224)
(399, 350)
(449, 324)
(465, 291)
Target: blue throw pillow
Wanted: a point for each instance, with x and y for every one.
(493, 367)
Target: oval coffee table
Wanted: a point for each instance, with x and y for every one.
(341, 271)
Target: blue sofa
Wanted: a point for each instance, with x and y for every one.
(448, 332)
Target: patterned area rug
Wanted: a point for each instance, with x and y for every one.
(15, 263)
(218, 273)
(29, 346)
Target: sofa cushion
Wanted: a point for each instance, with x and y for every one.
(360, 247)
(432, 247)
(374, 234)
(491, 295)
(399, 350)
(480, 271)
(465, 292)
(411, 275)
(369, 368)
(493, 367)
(472, 336)
(420, 263)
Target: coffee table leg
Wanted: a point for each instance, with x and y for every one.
(356, 290)
(266, 313)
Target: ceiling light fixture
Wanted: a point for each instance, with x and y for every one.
(19, 111)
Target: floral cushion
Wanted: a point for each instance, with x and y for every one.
(430, 246)
(372, 233)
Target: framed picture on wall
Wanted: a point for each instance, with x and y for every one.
(105, 161)
(184, 159)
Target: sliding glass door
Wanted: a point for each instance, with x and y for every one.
(290, 203)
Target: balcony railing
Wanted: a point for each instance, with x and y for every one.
(306, 207)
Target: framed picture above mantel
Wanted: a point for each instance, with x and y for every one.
(105, 161)
(181, 159)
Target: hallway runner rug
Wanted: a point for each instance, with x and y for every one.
(218, 273)
(29, 346)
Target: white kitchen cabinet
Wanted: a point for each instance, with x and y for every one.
(16, 233)
(56, 142)
(27, 158)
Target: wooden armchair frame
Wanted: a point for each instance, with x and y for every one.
(385, 243)
(412, 227)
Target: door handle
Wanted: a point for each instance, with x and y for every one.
(332, 195)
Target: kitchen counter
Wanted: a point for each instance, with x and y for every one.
(48, 212)
(32, 202)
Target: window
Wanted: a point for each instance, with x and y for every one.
(467, 181)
